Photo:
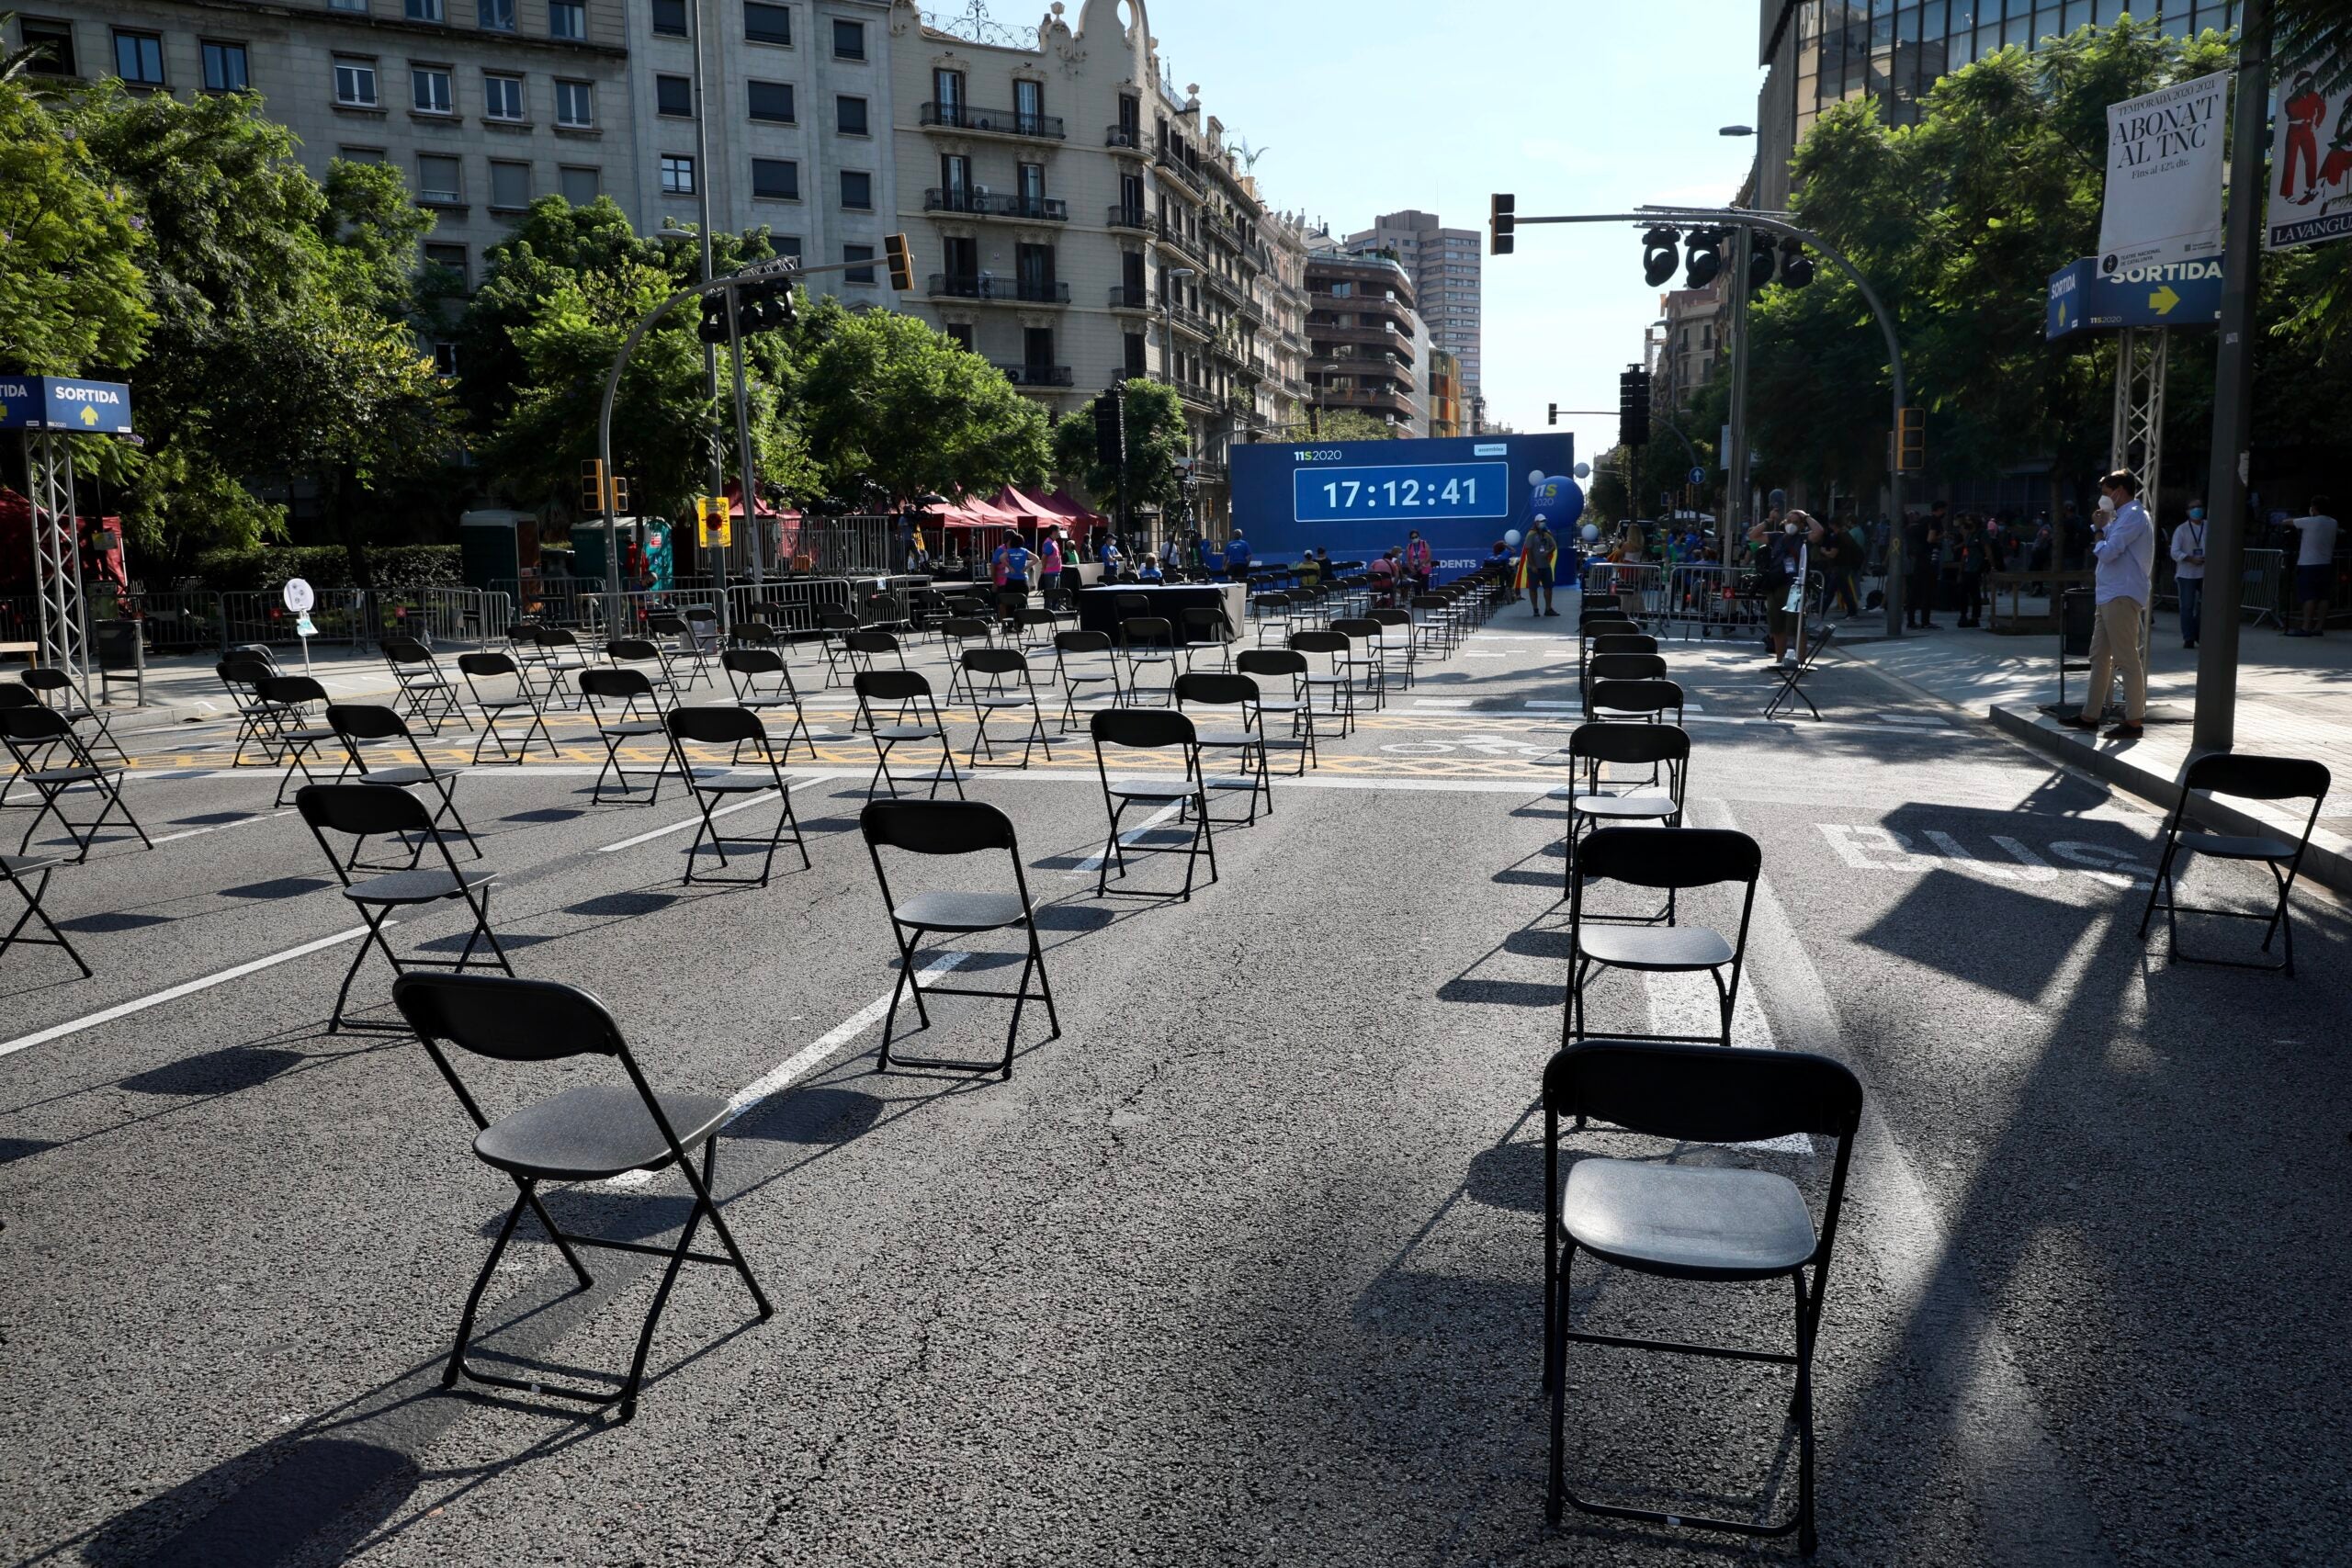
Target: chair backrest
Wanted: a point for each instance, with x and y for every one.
(665, 623)
(1634, 745)
(1081, 642)
(937, 827)
(996, 662)
(871, 642)
(1145, 630)
(1607, 643)
(242, 671)
(45, 678)
(837, 620)
(634, 650)
(890, 685)
(1433, 602)
(757, 632)
(406, 651)
(486, 664)
(507, 1020)
(1607, 623)
(2258, 778)
(366, 721)
(717, 726)
(1319, 642)
(1131, 604)
(1215, 688)
(1669, 857)
(1141, 727)
(1206, 619)
(1037, 617)
(1390, 617)
(750, 661)
(622, 685)
(37, 723)
(361, 810)
(17, 697)
(290, 689)
(1359, 627)
(701, 614)
(1627, 666)
(1705, 1093)
(1270, 662)
(554, 636)
(963, 626)
(1636, 696)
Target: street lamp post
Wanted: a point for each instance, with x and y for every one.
(1175, 275)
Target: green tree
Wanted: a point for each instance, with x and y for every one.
(1157, 440)
(73, 298)
(1354, 424)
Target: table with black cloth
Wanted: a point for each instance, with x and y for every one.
(1098, 608)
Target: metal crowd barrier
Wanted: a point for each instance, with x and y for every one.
(790, 604)
(2266, 578)
(340, 617)
(1638, 585)
(441, 616)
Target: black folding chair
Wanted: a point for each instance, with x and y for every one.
(680, 643)
(649, 659)
(29, 874)
(49, 756)
(1010, 689)
(1334, 678)
(1297, 710)
(56, 690)
(836, 625)
(1710, 1223)
(1148, 642)
(957, 634)
(584, 1133)
(1673, 862)
(1071, 648)
(1620, 667)
(300, 735)
(560, 654)
(2244, 778)
(711, 784)
(1664, 748)
(953, 827)
(906, 692)
(1156, 730)
(1210, 688)
(1791, 674)
(360, 726)
(1397, 649)
(501, 710)
(762, 682)
(426, 696)
(257, 718)
(1621, 642)
(1205, 631)
(364, 811)
(1645, 701)
(637, 719)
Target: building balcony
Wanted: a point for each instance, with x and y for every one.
(1128, 217)
(1396, 403)
(1174, 237)
(1003, 290)
(1325, 366)
(1189, 178)
(1125, 138)
(1127, 373)
(1222, 286)
(1130, 296)
(992, 204)
(1191, 321)
(1352, 304)
(1038, 375)
(1322, 332)
(1250, 311)
(993, 122)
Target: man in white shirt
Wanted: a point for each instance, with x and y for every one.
(2123, 557)
(2189, 573)
(2315, 567)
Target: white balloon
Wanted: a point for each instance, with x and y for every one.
(1591, 532)
(1511, 538)
(1584, 470)
(1534, 475)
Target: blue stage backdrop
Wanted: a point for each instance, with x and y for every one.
(1356, 499)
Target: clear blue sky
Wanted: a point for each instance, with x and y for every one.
(1590, 105)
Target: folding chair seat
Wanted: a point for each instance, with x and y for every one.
(905, 692)
(1333, 681)
(1010, 689)
(1672, 862)
(1208, 688)
(836, 625)
(29, 874)
(1289, 670)
(426, 694)
(258, 718)
(1663, 749)
(359, 725)
(364, 811)
(56, 690)
(941, 828)
(1204, 629)
(1712, 1224)
(1397, 653)
(502, 710)
(638, 719)
(733, 781)
(1644, 702)
(1147, 729)
(2242, 777)
(1146, 643)
(1620, 667)
(1364, 661)
(587, 1132)
(1071, 650)
(762, 682)
(1790, 674)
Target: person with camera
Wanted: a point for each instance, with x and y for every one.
(2123, 557)
(1781, 560)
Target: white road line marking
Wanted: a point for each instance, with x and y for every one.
(216, 826)
(187, 988)
(810, 1056)
(1095, 861)
(697, 821)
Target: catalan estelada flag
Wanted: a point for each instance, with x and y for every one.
(1528, 570)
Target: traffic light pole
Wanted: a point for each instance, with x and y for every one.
(747, 466)
(1735, 451)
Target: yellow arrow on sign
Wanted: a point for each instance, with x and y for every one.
(2163, 301)
(89, 416)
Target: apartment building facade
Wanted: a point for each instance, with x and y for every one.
(1446, 266)
(1360, 332)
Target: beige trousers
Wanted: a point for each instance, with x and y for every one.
(2115, 649)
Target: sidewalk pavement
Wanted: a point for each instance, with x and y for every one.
(2294, 700)
(184, 689)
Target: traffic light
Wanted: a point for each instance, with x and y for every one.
(1658, 261)
(1911, 442)
(902, 262)
(766, 302)
(1705, 257)
(1502, 223)
(1761, 260)
(592, 486)
(620, 494)
(1110, 430)
(713, 328)
(1796, 267)
(1553, 417)
(1634, 407)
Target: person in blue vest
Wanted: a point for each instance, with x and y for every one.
(1150, 570)
(1012, 588)
(1237, 555)
(1111, 557)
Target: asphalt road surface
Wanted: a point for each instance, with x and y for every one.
(1245, 1267)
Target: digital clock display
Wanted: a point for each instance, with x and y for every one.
(1401, 492)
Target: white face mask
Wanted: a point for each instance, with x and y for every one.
(1788, 528)
(2106, 503)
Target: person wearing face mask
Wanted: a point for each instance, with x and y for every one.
(2123, 554)
(2189, 573)
(1780, 555)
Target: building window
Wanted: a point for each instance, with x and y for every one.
(510, 185)
(445, 358)
(580, 185)
(670, 18)
(763, 23)
(138, 59)
(440, 179)
(447, 256)
(677, 175)
(428, 89)
(501, 96)
(857, 190)
(1029, 106)
(673, 96)
(775, 179)
(358, 5)
(49, 45)
(568, 18)
(495, 15)
(425, 11)
(858, 273)
(960, 335)
(1135, 361)
(947, 91)
(849, 43)
(772, 102)
(850, 116)
(360, 154)
(786, 246)
(355, 82)
(224, 67)
(575, 104)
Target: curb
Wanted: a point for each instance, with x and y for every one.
(2328, 866)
